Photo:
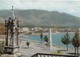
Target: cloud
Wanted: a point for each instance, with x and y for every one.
(68, 6)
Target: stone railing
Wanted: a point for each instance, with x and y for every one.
(51, 55)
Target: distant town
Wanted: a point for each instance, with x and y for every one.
(37, 30)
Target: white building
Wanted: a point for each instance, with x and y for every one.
(25, 29)
(37, 28)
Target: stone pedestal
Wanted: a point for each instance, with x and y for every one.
(11, 50)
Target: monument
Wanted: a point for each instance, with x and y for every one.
(11, 34)
(50, 39)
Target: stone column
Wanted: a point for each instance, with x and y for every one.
(50, 39)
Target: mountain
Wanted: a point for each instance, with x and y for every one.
(2, 25)
(2, 29)
(42, 18)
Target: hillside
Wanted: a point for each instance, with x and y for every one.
(42, 18)
(2, 28)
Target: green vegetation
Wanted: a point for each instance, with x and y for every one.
(66, 40)
(28, 44)
(1, 47)
(46, 39)
(76, 42)
(41, 36)
(58, 52)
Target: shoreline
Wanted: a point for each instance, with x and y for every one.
(35, 47)
(39, 40)
(35, 34)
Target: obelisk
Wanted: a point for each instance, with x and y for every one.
(50, 39)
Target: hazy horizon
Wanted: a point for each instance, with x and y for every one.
(68, 6)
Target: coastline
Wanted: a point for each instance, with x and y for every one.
(35, 47)
(55, 48)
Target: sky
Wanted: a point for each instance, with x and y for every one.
(68, 6)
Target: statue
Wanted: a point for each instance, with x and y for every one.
(11, 30)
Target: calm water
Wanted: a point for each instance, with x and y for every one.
(56, 38)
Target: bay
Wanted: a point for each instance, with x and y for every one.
(56, 38)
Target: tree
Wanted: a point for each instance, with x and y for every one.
(46, 39)
(66, 40)
(41, 36)
(28, 43)
(1, 46)
(76, 42)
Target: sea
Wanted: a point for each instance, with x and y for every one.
(56, 38)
